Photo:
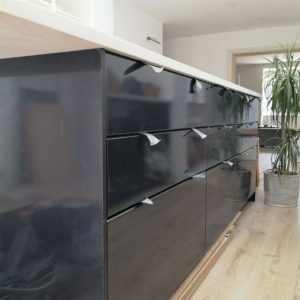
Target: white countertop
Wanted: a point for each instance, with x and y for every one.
(26, 29)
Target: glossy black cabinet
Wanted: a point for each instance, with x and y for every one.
(229, 186)
(91, 206)
(152, 248)
(51, 183)
(224, 142)
(227, 106)
(136, 170)
(141, 99)
(248, 161)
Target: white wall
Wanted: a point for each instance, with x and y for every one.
(124, 20)
(103, 16)
(213, 52)
(250, 76)
(134, 25)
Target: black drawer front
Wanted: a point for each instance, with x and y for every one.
(254, 111)
(225, 188)
(247, 134)
(226, 142)
(248, 161)
(152, 248)
(136, 170)
(143, 100)
(227, 106)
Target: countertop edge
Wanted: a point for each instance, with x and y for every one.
(88, 38)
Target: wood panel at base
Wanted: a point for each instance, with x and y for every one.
(192, 282)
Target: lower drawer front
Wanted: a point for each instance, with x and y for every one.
(152, 248)
(248, 161)
(228, 190)
(137, 170)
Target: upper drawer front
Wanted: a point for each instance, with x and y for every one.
(137, 170)
(230, 107)
(254, 111)
(247, 135)
(140, 99)
(226, 142)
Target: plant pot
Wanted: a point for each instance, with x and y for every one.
(281, 190)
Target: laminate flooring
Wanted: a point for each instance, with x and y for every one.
(262, 262)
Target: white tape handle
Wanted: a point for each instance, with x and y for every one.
(147, 201)
(201, 175)
(201, 134)
(229, 163)
(156, 69)
(198, 86)
(152, 139)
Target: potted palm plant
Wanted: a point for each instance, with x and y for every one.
(281, 183)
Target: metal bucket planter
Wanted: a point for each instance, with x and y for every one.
(281, 190)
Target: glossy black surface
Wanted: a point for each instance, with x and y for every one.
(228, 190)
(138, 99)
(248, 160)
(227, 106)
(136, 170)
(153, 248)
(226, 142)
(51, 219)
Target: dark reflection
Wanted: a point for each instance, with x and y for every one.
(231, 107)
(228, 141)
(137, 170)
(228, 189)
(238, 179)
(139, 99)
(152, 248)
(50, 178)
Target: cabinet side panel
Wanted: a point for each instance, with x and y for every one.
(51, 174)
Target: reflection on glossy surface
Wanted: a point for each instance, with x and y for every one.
(152, 248)
(137, 170)
(228, 189)
(230, 107)
(142, 100)
(50, 178)
(228, 141)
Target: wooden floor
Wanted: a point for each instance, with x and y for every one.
(262, 262)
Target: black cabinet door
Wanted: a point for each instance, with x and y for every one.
(139, 99)
(51, 216)
(137, 170)
(228, 187)
(248, 161)
(152, 248)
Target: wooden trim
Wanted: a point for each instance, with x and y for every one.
(255, 53)
(257, 165)
(192, 282)
(277, 51)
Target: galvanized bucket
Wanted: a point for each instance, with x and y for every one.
(281, 190)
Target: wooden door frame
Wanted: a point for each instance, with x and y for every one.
(234, 54)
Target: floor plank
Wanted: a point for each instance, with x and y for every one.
(262, 262)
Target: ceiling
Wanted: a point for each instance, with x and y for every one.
(260, 59)
(194, 17)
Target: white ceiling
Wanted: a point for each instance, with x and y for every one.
(260, 59)
(195, 17)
